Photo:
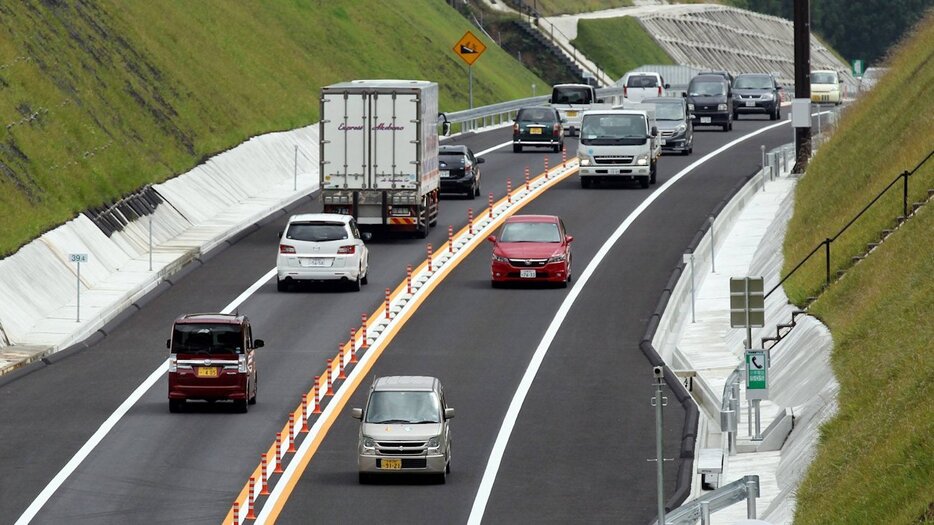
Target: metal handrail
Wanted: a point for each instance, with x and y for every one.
(829, 240)
(745, 488)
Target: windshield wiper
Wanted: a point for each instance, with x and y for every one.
(385, 421)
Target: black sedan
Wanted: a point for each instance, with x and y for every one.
(460, 170)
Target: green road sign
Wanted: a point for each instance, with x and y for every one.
(857, 67)
(757, 374)
(747, 295)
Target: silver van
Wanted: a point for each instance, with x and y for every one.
(404, 429)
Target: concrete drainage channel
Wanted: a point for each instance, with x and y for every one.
(282, 464)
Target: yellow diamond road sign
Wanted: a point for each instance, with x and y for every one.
(469, 48)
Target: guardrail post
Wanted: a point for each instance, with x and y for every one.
(713, 244)
(705, 512)
(752, 491)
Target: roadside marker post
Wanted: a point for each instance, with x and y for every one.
(78, 258)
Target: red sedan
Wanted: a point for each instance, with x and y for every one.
(531, 248)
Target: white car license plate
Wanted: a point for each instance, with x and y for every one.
(664, 142)
(750, 104)
(315, 262)
(445, 174)
(705, 120)
(527, 274)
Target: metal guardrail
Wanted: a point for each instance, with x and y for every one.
(745, 488)
(470, 119)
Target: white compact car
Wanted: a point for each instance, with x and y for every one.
(826, 87)
(321, 247)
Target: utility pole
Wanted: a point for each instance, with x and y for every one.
(802, 15)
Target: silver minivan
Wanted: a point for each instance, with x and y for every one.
(404, 429)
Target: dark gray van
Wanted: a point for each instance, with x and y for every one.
(710, 101)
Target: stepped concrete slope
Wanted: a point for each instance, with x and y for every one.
(715, 37)
(191, 214)
(747, 239)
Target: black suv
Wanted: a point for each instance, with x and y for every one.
(710, 101)
(756, 93)
(460, 170)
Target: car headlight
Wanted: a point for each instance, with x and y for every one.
(642, 160)
(434, 442)
(681, 128)
(584, 162)
(558, 258)
(767, 96)
(369, 443)
(721, 107)
(500, 258)
(691, 107)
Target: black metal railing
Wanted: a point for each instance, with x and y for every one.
(829, 240)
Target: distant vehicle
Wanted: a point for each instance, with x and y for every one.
(212, 357)
(870, 77)
(619, 144)
(460, 170)
(675, 129)
(825, 87)
(405, 428)
(756, 93)
(538, 126)
(639, 85)
(710, 101)
(378, 143)
(531, 248)
(571, 100)
(322, 247)
(725, 74)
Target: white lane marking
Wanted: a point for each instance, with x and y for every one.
(494, 148)
(515, 406)
(115, 418)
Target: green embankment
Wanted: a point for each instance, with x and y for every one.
(99, 98)
(618, 45)
(875, 459)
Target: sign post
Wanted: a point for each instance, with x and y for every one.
(757, 383)
(747, 310)
(469, 48)
(78, 258)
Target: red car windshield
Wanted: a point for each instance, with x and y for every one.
(530, 232)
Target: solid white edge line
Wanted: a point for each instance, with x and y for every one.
(494, 148)
(515, 406)
(115, 418)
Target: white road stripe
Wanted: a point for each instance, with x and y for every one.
(115, 418)
(515, 406)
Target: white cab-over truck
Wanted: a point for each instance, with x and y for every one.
(620, 144)
(571, 101)
(379, 153)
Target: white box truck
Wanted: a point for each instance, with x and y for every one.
(620, 144)
(379, 153)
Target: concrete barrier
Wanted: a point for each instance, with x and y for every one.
(198, 210)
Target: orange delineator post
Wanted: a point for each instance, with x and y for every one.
(353, 345)
(387, 294)
(316, 407)
(427, 251)
(470, 220)
(340, 361)
(408, 279)
(250, 503)
(330, 390)
(526, 178)
(509, 191)
(450, 239)
(236, 513)
(278, 466)
(546, 163)
(291, 433)
(491, 206)
(264, 476)
(304, 414)
(564, 158)
(364, 343)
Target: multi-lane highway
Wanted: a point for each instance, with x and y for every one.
(579, 446)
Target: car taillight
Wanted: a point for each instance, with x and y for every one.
(241, 364)
(625, 91)
(173, 364)
(347, 250)
(556, 129)
(285, 248)
(515, 128)
(659, 90)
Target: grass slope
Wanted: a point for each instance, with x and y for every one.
(886, 132)
(98, 99)
(875, 458)
(561, 7)
(618, 45)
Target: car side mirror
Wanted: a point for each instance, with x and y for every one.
(356, 413)
(258, 343)
(491, 238)
(779, 88)
(448, 413)
(684, 94)
(569, 239)
(168, 343)
(654, 131)
(445, 125)
(366, 236)
(601, 101)
(480, 160)
(279, 235)
(667, 86)
(550, 101)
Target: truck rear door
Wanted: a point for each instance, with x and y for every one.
(394, 140)
(344, 140)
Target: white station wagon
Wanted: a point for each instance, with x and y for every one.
(321, 247)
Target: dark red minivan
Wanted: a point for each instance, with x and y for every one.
(212, 357)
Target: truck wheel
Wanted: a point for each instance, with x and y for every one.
(644, 182)
(585, 182)
(516, 148)
(654, 171)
